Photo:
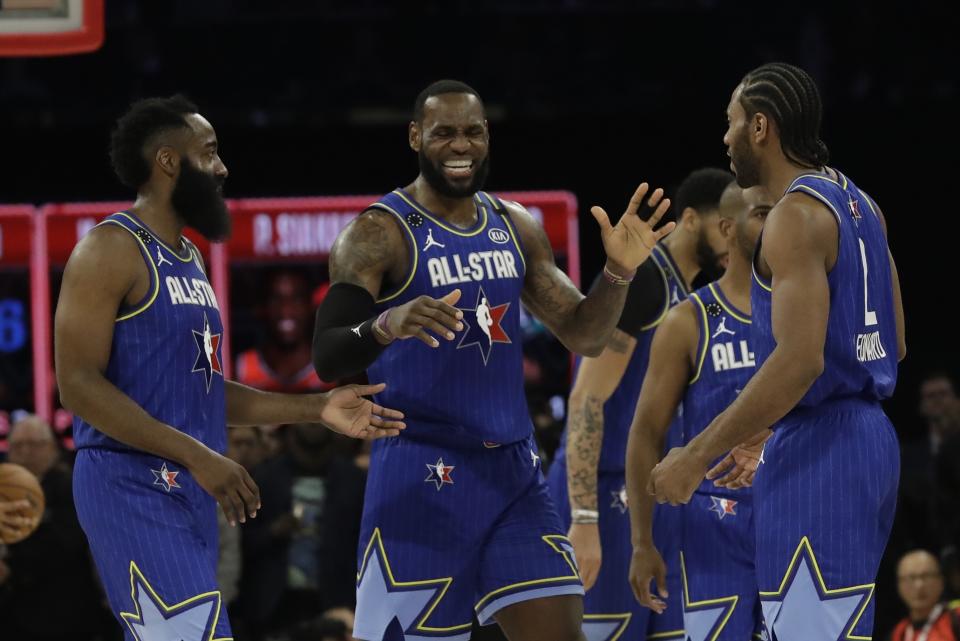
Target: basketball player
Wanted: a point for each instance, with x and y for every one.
(457, 518)
(827, 333)
(586, 481)
(139, 363)
(701, 359)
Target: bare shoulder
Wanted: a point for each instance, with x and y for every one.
(108, 256)
(682, 322)
(800, 223)
(370, 243)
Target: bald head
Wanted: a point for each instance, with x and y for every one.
(920, 582)
(731, 205)
(33, 446)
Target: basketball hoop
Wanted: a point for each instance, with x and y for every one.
(50, 27)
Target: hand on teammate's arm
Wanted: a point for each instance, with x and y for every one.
(796, 246)
(666, 379)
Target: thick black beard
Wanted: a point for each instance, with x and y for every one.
(197, 200)
(433, 174)
(707, 259)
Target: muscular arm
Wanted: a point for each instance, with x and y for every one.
(668, 373)
(799, 245)
(582, 323)
(596, 381)
(364, 254)
(366, 251)
(102, 270)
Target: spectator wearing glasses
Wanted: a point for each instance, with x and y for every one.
(920, 583)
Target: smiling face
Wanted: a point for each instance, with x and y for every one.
(452, 142)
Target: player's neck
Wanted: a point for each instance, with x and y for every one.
(683, 249)
(461, 212)
(159, 217)
(735, 282)
(781, 175)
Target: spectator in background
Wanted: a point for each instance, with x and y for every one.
(920, 583)
(299, 553)
(245, 446)
(49, 592)
(920, 499)
(283, 362)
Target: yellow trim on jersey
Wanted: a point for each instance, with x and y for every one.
(130, 617)
(159, 242)
(548, 539)
(730, 310)
(669, 634)
(446, 581)
(759, 280)
(706, 337)
(822, 177)
(816, 194)
(452, 230)
(513, 234)
(666, 300)
(869, 202)
(156, 274)
(623, 617)
(805, 544)
(687, 603)
(413, 244)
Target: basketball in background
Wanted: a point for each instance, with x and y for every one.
(17, 483)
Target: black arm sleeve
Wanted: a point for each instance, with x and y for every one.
(645, 299)
(343, 341)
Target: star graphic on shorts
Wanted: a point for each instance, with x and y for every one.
(704, 620)
(383, 598)
(605, 627)
(193, 619)
(439, 474)
(804, 608)
(473, 334)
(208, 352)
(723, 507)
(165, 478)
(619, 499)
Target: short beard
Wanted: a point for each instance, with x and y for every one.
(435, 178)
(745, 162)
(707, 259)
(196, 199)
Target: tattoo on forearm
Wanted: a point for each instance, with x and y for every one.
(584, 439)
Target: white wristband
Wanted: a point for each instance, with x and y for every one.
(585, 516)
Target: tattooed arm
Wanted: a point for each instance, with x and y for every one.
(584, 324)
(368, 252)
(596, 381)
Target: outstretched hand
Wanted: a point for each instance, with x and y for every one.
(630, 241)
(348, 412)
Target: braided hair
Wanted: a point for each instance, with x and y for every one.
(789, 96)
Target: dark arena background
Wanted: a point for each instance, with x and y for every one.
(585, 99)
